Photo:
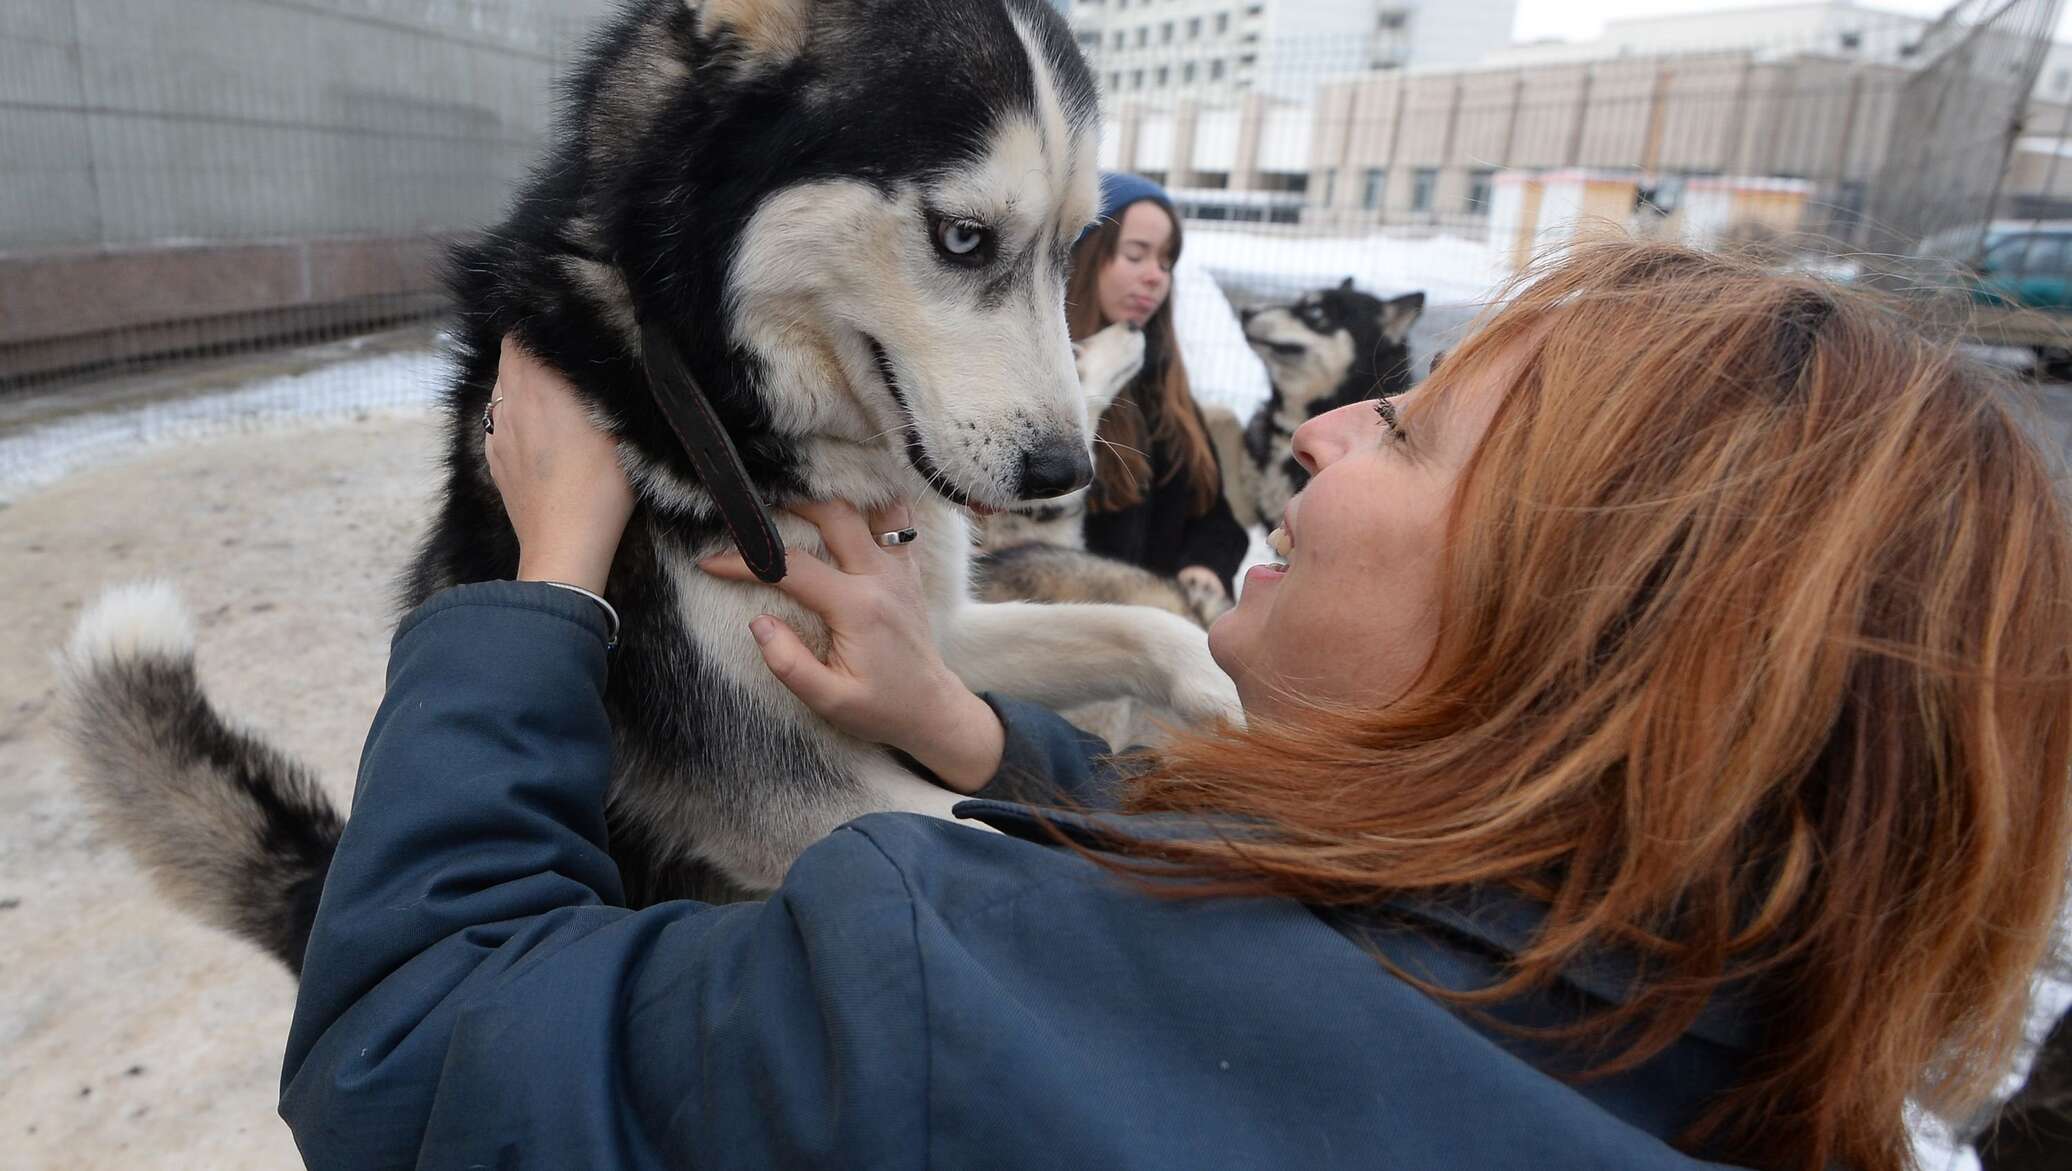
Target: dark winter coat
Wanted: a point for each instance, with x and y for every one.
(919, 993)
(1161, 533)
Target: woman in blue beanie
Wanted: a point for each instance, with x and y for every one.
(1157, 499)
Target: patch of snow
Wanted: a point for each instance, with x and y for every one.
(1221, 369)
(1252, 265)
(386, 383)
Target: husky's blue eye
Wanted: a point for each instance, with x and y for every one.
(962, 241)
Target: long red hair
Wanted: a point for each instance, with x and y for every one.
(1754, 659)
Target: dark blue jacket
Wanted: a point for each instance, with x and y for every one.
(919, 993)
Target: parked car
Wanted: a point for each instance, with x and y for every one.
(2026, 267)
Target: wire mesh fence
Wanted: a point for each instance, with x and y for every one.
(196, 178)
(222, 175)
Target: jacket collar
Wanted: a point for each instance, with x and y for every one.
(1498, 919)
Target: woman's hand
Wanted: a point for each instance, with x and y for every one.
(563, 488)
(883, 681)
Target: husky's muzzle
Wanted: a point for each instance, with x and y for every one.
(1048, 469)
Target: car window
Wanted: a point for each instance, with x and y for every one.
(2005, 258)
(2046, 257)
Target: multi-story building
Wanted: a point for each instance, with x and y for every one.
(1221, 50)
(1840, 29)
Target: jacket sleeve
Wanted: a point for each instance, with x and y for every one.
(474, 994)
(1048, 760)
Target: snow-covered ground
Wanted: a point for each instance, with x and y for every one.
(406, 381)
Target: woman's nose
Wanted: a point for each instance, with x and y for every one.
(1323, 440)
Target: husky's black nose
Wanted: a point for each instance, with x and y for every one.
(1245, 315)
(1055, 469)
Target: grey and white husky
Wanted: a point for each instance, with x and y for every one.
(852, 220)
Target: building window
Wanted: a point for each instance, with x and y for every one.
(1479, 185)
(1143, 36)
(1851, 42)
(1118, 38)
(1114, 81)
(1164, 75)
(1187, 73)
(1165, 33)
(1394, 20)
(1247, 59)
(1136, 79)
(1216, 69)
(1330, 185)
(1421, 183)
(1377, 182)
(1222, 23)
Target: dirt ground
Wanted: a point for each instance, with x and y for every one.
(130, 1036)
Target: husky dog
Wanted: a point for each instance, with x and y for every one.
(849, 221)
(1105, 362)
(1332, 347)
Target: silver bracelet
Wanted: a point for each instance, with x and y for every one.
(611, 641)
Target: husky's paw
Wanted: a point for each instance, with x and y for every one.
(1206, 697)
(1204, 591)
(1107, 361)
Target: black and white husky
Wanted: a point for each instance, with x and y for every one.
(1331, 347)
(852, 219)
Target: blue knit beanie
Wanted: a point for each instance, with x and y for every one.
(1120, 189)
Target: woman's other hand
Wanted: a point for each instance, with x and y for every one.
(559, 474)
(884, 680)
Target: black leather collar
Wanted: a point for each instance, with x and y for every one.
(712, 454)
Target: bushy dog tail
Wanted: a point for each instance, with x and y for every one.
(230, 829)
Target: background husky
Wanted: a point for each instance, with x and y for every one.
(852, 219)
(1331, 347)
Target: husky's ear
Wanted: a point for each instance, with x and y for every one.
(1399, 314)
(1346, 285)
(770, 30)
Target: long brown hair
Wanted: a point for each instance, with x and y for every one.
(1754, 662)
(1160, 394)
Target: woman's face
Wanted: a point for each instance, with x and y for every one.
(1137, 279)
(1352, 614)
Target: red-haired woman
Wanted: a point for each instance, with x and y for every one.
(1658, 748)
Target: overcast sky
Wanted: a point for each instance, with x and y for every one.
(1580, 20)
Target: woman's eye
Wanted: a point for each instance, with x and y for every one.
(1389, 419)
(962, 240)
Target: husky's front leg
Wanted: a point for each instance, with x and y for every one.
(1069, 654)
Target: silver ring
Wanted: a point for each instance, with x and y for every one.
(902, 537)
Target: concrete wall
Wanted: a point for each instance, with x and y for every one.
(186, 175)
(134, 121)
